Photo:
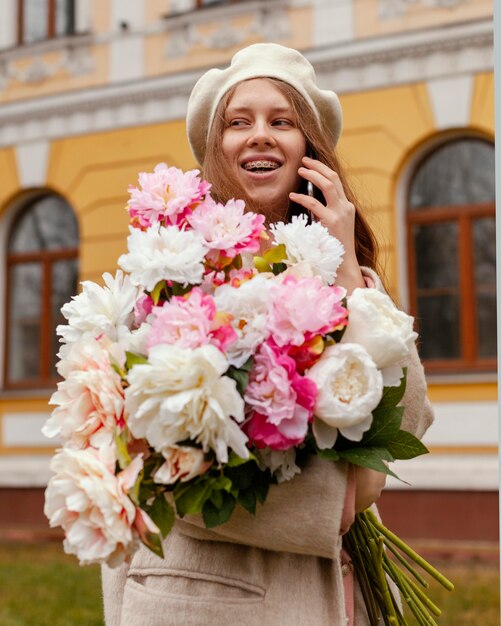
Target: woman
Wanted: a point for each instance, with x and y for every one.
(263, 131)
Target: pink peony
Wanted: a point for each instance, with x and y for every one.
(304, 307)
(281, 399)
(92, 505)
(166, 195)
(191, 322)
(227, 229)
(142, 308)
(90, 402)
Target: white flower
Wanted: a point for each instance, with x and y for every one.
(383, 330)
(91, 504)
(136, 340)
(310, 243)
(250, 306)
(182, 394)
(90, 402)
(181, 463)
(349, 388)
(282, 463)
(164, 253)
(98, 310)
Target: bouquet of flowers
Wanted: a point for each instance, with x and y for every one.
(204, 370)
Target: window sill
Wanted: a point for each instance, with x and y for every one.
(27, 394)
(44, 46)
(462, 379)
(219, 11)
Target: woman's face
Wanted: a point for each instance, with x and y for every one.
(263, 144)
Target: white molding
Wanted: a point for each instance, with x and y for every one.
(450, 100)
(467, 48)
(464, 424)
(455, 472)
(25, 430)
(8, 23)
(430, 472)
(127, 46)
(333, 22)
(33, 163)
(83, 17)
(24, 470)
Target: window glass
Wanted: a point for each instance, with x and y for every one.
(484, 238)
(24, 303)
(48, 225)
(458, 173)
(65, 17)
(35, 20)
(64, 286)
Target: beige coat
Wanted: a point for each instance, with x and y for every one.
(278, 568)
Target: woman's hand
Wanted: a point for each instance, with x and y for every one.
(368, 487)
(338, 216)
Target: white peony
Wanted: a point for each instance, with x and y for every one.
(90, 401)
(282, 463)
(349, 388)
(181, 463)
(97, 310)
(383, 330)
(164, 253)
(311, 244)
(182, 394)
(250, 306)
(91, 504)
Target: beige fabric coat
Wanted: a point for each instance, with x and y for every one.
(278, 568)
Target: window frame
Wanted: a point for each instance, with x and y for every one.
(51, 22)
(46, 260)
(463, 216)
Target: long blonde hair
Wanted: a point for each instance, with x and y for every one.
(318, 146)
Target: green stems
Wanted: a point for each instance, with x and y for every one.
(366, 541)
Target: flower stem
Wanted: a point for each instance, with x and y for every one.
(445, 582)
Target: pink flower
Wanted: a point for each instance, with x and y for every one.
(191, 322)
(281, 399)
(227, 229)
(142, 309)
(304, 307)
(166, 195)
(90, 401)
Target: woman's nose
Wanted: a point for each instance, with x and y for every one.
(261, 133)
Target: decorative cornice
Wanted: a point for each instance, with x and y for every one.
(356, 65)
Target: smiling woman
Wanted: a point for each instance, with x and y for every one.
(262, 130)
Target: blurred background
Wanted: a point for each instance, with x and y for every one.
(94, 91)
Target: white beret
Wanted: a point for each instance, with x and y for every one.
(260, 60)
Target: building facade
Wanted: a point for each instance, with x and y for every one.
(94, 91)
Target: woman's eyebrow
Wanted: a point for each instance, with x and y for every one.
(245, 108)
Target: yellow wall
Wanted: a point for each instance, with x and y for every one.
(93, 173)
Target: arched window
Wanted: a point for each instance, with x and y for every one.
(42, 274)
(452, 253)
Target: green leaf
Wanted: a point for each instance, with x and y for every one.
(261, 485)
(240, 377)
(153, 541)
(385, 425)
(217, 498)
(134, 359)
(393, 395)
(278, 268)
(234, 460)
(247, 498)
(191, 497)
(123, 456)
(222, 483)
(242, 476)
(213, 515)
(162, 514)
(328, 455)
(157, 291)
(372, 458)
(406, 446)
(274, 255)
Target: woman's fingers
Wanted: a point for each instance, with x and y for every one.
(313, 205)
(324, 175)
